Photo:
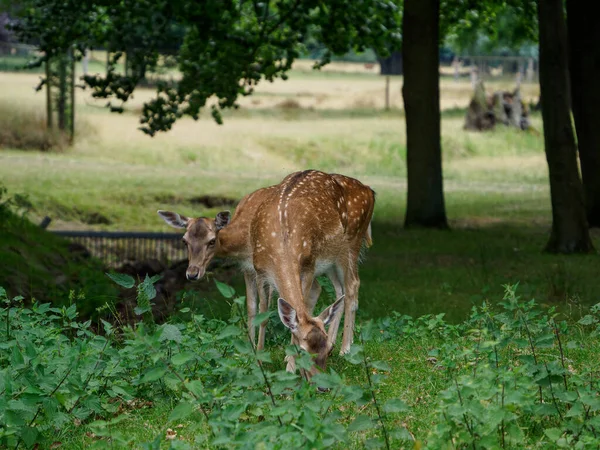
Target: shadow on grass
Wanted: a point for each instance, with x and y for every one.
(418, 272)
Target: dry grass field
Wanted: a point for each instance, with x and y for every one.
(496, 186)
(331, 120)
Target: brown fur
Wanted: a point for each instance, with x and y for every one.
(283, 234)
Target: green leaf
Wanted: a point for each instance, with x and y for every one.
(170, 333)
(327, 380)
(264, 356)
(140, 310)
(402, 434)
(147, 289)
(181, 411)
(352, 393)
(374, 443)
(184, 310)
(122, 392)
(17, 361)
(360, 423)
(587, 320)
(395, 405)
(553, 434)
(29, 436)
(181, 358)
(229, 331)
(178, 444)
(225, 290)
(122, 279)
(566, 396)
(261, 317)
(195, 387)
(380, 365)
(154, 374)
(232, 413)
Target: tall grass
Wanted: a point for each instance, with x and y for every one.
(24, 128)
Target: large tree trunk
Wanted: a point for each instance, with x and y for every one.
(569, 224)
(421, 91)
(584, 64)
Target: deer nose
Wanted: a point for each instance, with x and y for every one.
(191, 277)
(194, 273)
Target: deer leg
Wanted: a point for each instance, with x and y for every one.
(291, 361)
(251, 292)
(334, 276)
(270, 296)
(264, 295)
(352, 283)
(313, 296)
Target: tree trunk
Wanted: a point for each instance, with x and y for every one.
(49, 118)
(72, 98)
(421, 92)
(62, 92)
(584, 64)
(569, 225)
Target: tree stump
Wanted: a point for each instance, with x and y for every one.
(501, 107)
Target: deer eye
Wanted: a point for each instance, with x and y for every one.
(211, 243)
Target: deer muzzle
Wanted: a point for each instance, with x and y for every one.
(194, 273)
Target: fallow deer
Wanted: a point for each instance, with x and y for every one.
(286, 235)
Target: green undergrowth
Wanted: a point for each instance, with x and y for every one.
(39, 265)
(510, 376)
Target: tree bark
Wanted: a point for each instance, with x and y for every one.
(62, 92)
(584, 64)
(49, 118)
(421, 92)
(570, 232)
(72, 98)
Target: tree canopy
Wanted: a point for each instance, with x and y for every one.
(225, 48)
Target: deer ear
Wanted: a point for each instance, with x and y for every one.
(331, 311)
(287, 314)
(222, 219)
(174, 219)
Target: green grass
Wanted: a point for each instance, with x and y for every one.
(414, 377)
(496, 185)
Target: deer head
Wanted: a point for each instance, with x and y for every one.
(309, 332)
(201, 238)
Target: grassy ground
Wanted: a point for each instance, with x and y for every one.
(496, 194)
(496, 183)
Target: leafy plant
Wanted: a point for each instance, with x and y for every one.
(56, 371)
(511, 380)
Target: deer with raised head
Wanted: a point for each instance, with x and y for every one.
(286, 235)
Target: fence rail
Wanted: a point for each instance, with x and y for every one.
(117, 247)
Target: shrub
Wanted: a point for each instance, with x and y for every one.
(515, 378)
(55, 371)
(24, 128)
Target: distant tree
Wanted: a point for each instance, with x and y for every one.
(229, 47)
(584, 64)
(5, 34)
(569, 225)
(61, 31)
(421, 91)
(492, 27)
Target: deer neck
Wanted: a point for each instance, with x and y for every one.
(290, 288)
(233, 242)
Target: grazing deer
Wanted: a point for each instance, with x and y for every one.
(286, 235)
